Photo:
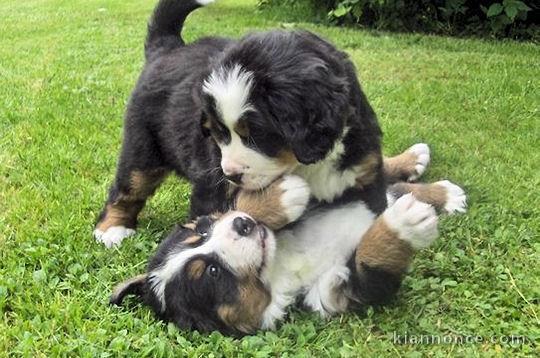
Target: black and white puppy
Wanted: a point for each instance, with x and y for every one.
(230, 272)
(229, 113)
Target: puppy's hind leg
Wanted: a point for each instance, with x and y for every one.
(443, 195)
(138, 175)
(386, 250)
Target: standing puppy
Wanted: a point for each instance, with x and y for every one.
(240, 113)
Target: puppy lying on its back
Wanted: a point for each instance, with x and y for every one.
(231, 272)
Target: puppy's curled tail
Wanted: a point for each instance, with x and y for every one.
(165, 25)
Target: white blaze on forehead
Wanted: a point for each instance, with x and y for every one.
(230, 88)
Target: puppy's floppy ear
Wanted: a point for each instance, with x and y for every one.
(134, 286)
(318, 111)
(311, 146)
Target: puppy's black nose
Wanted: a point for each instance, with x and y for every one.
(243, 226)
(235, 178)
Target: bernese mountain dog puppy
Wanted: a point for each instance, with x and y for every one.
(229, 114)
(237, 272)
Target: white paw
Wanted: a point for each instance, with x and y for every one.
(295, 196)
(325, 296)
(113, 236)
(456, 200)
(421, 151)
(413, 221)
(205, 2)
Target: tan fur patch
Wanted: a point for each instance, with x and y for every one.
(246, 313)
(215, 215)
(432, 194)
(196, 269)
(264, 205)
(287, 158)
(382, 248)
(399, 167)
(206, 124)
(241, 128)
(191, 226)
(119, 214)
(127, 205)
(192, 239)
(368, 169)
(144, 183)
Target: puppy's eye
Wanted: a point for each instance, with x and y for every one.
(212, 271)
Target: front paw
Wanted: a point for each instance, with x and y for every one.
(295, 196)
(414, 221)
(113, 236)
(420, 155)
(456, 199)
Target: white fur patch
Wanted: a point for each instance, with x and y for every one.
(413, 221)
(295, 196)
(204, 2)
(230, 88)
(311, 256)
(456, 200)
(422, 153)
(325, 180)
(113, 236)
(325, 296)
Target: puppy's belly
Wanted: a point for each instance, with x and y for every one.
(323, 240)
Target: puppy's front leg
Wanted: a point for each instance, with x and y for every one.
(277, 205)
(387, 248)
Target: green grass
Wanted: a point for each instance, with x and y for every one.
(66, 70)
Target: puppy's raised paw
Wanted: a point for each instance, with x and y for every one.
(456, 200)
(414, 221)
(113, 236)
(295, 196)
(420, 154)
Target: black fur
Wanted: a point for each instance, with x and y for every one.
(371, 285)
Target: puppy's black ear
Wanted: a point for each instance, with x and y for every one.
(312, 146)
(316, 108)
(134, 286)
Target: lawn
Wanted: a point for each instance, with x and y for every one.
(66, 71)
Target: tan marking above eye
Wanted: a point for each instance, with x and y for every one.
(215, 215)
(196, 269)
(190, 226)
(241, 128)
(206, 123)
(192, 239)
